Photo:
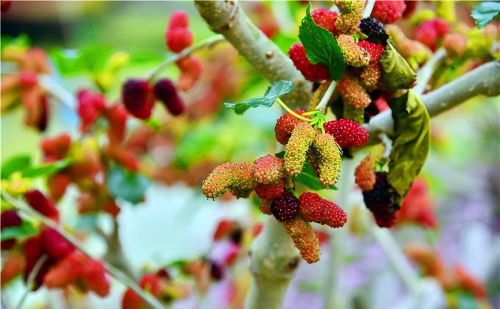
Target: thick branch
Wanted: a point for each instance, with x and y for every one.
(274, 261)
(484, 80)
(228, 19)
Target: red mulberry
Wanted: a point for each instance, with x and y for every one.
(304, 238)
(312, 72)
(316, 209)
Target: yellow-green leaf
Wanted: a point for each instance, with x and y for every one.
(411, 141)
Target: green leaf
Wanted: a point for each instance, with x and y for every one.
(411, 142)
(309, 179)
(321, 46)
(47, 169)
(26, 229)
(90, 59)
(22, 41)
(396, 72)
(127, 185)
(276, 90)
(14, 164)
(485, 12)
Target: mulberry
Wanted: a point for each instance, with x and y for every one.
(9, 218)
(236, 177)
(138, 98)
(90, 105)
(379, 201)
(325, 18)
(166, 92)
(328, 159)
(408, 48)
(347, 133)
(353, 94)
(268, 169)
(39, 202)
(364, 174)
(285, 125)
(428, 32)
(66, 272)
(191, 69)
(55, 148)
(374, 30)
(178, 36)
(312, 72)
(93, 274)
(351, 13)
(270, 191)
(370, 76)
(304, 238)
(56, 245)
(388, 11)
(285, 207)
(374, 49)
(455, 44)
(296, 150)
(354, 55)
(314, 208)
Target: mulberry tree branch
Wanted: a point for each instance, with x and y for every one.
(484, 80)
(227, 18)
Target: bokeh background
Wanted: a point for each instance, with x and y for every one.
(177, 222)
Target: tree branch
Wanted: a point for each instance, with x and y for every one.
(484, 80)
(228, 19)
(274, 261)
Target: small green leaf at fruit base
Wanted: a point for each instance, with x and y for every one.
(276, 90)
(321, 46)
(411, 142)
(126, 185)
(25, 230)
(15, 164)
(309, 179)
(396, 72)
(485, 12)
(47, 169)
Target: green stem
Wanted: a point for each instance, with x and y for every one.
(294, 114)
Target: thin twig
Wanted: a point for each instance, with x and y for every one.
(425, 73)
(387, 143)
(322, 105)
(368, 8)
(31, 280)
(54, 88)
(207, 43)
(397, 259)
(118, 274)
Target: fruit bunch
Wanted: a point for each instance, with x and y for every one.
(23, 86)
(178, 37)
(308, 140)
(363, 43)
(49, 257)
(379, 196)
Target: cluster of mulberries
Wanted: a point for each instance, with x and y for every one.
(354, 55)
(272, 179)
(178, 37)
(380, 201)
(58, 261)
(139, 97)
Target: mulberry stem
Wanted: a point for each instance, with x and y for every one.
(326, 97)
(294, 114)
